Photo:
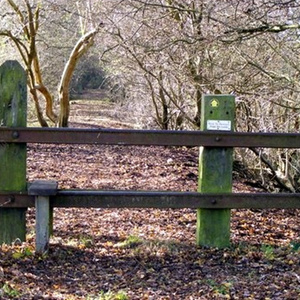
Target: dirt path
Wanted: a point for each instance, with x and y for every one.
(95, 113)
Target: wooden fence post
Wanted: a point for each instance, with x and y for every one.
(215, 171)
(42, 190)
(13, 113)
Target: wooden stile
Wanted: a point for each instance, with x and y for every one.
(13, 113)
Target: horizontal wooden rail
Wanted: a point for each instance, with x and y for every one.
(145, 199)
(148, 137)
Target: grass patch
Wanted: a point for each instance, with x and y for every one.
(131, 241)
(10, 291)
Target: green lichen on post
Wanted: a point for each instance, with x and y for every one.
(215, 171)
(13, 113)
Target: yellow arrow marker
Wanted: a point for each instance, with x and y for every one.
(214, 103)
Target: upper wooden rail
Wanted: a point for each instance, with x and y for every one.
(149, 137)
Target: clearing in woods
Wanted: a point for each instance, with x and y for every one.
(144, 253)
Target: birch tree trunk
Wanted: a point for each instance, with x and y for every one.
(80, 48)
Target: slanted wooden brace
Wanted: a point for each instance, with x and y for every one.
(42, 190)
(215, 171)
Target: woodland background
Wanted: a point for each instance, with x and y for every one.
(147, 63)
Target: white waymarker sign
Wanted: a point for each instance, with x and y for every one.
(224, 125)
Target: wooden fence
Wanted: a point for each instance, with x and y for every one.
(15, 196)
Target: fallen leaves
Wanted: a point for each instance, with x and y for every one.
(156, 269)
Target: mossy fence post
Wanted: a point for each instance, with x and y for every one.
(13, 111)
(215, 171)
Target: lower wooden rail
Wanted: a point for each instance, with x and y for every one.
(145, 199)
(140, 199)
(44, 195)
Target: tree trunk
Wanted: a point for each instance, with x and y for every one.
(43, 90)
(38, 110)
(80, 48)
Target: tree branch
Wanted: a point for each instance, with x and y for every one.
(273, 171)
(21, 17)
(275, 28)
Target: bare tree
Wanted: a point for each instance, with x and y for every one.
(171, 52)
(25, 19)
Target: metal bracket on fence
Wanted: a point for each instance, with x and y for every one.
(42, 190)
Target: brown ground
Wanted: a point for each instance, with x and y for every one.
(145, 253)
